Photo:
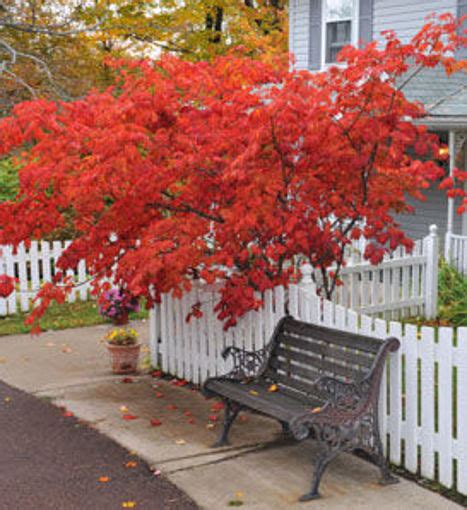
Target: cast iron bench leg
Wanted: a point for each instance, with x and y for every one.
(323, 460)
(387, 478)
(285, 428)
(230, 413)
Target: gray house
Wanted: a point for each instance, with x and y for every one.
(319, 29)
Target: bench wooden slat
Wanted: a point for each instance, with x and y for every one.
(327, 349)
(289, 380)
(322, 365)
(360, 342)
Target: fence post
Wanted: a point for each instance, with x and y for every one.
(431, 249)
(448, 246)
(307, 282)
(154, 334)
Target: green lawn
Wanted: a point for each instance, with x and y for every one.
(68, 315)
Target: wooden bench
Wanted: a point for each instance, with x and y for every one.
(316, 382)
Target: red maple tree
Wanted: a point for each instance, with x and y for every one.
(235, 171)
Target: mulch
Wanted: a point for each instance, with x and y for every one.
(49, 461)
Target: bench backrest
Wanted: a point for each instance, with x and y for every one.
(302, 352)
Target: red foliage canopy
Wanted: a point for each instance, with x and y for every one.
(227, 171)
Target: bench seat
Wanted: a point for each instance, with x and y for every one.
(255, 396)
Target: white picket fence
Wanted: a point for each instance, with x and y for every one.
(456, 251)
(424, 392)
(32, 267)
(404, 284)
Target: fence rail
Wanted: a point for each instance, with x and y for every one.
(32, 267)
(424, 392)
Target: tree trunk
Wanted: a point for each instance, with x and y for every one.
(214, 24)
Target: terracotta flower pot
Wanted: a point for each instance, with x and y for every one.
(124, 358)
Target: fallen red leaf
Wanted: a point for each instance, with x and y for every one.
(157, 373)
(131, 464)
(218, 406)
(129, 417)
(155, 422)
(213, 417)
(171, 407)
(67, 414)
(127, 380)
(178, 382)
(191, 421)
(188, 413)
(159, 394)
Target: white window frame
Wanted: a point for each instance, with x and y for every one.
(354, 27)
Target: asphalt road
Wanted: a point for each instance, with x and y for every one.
(49, 461)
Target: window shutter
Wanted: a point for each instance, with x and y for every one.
(462, 11)
(314, 60)
(365, 22)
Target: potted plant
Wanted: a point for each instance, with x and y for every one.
(123, 347)
(116, 304)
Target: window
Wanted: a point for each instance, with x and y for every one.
(339, 27)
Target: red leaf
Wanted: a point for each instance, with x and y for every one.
(218, 406)
(127, 380)
(129, 417)
(155, 422)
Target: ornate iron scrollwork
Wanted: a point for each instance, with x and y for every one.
(246, 364)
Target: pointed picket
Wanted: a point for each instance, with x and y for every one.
(46, 259)
(22, 258)
(395, 397)
(34, 264)
(12, 299)
(380, 331)
(411, 398)
(3, 301)
(165, 355)
(444, 358)
(461, 362)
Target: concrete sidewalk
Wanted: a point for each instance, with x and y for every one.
(260, 469)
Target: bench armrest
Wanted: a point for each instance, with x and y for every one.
(246, 364)
(344, 403)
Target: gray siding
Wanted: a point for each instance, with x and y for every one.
(299, 12)
(432, 212)
(462, 11)
(406, 17)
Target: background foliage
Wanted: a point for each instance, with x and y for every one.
(57, 48)
(9, 181)
(452, 295)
